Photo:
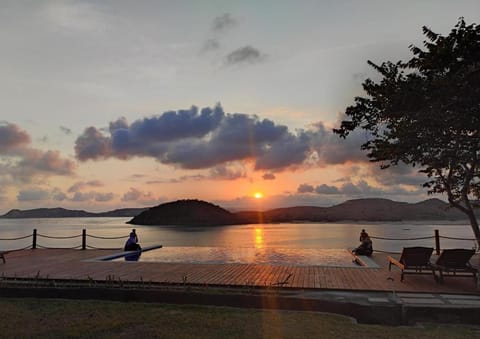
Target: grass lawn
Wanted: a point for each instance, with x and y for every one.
(55, 318)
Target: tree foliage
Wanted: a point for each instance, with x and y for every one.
(426, 112)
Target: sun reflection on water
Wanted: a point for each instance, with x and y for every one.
(258, 237)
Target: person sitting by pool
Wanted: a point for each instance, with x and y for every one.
(363, 234)
(131, 244)
(366, 246)
(135, 234)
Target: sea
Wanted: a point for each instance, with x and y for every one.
(113, 232)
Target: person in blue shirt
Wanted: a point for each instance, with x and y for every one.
(131, 244)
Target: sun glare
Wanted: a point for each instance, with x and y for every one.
(258, 195)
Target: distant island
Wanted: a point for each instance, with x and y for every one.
(194, 212)
(59, 212)
(187, 213)
(201, 213)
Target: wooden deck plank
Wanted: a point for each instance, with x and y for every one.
(261, 275)
(218, 274)
(227, 272)
(241, 275)
(76, 264)
(319, 283)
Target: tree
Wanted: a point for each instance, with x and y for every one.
(426, 113)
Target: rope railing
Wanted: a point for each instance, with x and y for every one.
(58, 237)
(59, 248)
(109, 238)
(420, 238)
(83, 245)
(101, 248)
(84, 237)
(453, 238)
(19, 238)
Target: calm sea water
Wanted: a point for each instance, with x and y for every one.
(269, 236)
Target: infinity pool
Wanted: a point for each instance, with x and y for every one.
(259, 256)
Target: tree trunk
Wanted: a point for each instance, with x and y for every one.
(471, 216)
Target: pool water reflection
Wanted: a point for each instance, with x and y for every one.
(245, 255)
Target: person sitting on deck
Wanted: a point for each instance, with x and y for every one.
(135, 234)
(363, 234)
(366, 246)
(131, 244)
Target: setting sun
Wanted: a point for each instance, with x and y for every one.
(258, 195)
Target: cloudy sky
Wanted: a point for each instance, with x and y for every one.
(110, 104)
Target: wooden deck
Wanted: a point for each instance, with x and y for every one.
(57, 264)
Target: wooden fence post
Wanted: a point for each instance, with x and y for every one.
(34, 243)
(437, 242)
(84, 239)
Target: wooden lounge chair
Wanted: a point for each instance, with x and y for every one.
(413, 260)
(455, 262)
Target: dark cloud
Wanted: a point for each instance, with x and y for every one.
(398, 175)
(92, 196)
(350, 189)
(132, 195)
(58, 195)
(119, 124)
(326, 189)
(362, 188)
(22, 163)
(288, 151)
(334, 150)
(151, 136)
(66, 130)
(34, 194)
(12, 137)
(173, 125)
(45, 162)
(79, 185)
(244, 55)
(357, 189)
(223, 22)
(268, 176)
(238, 137)
(305, 188)
(220, 26)
(83, 196)
(194, 139)
(141, 198)
(102, 197)
(78, 196)
(92, 145)
(225, 173)
(207, 138)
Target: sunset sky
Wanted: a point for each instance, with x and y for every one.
(111, 104)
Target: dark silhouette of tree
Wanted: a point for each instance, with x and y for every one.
(426, 113)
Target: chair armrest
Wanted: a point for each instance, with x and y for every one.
(396, 263)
